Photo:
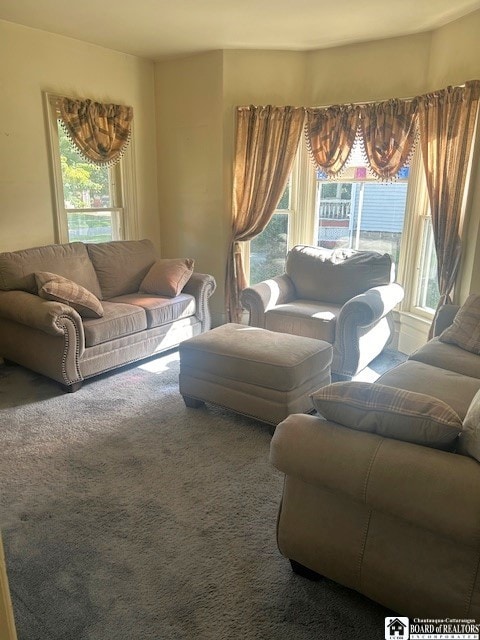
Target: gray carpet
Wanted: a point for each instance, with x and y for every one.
(127, 516)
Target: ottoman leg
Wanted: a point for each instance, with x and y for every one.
(193, 403)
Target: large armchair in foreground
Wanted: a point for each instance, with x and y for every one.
(344, 297)
(381, 493)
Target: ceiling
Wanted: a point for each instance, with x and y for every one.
(157, 29)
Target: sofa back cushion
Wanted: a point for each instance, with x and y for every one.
(469, 443)
(335, 276)
(121, 265)
(17, 268)
(464, 332)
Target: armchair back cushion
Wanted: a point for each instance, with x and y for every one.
(335, 276)
(17, 268)
(122, 265)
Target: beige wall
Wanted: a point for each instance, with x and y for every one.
(184, 121)
(190, 172)
(396, 67)
(195, 98)
(34, 61)
(377, 70)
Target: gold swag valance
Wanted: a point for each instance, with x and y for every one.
(101, 132)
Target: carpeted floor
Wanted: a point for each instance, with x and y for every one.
(127, 516)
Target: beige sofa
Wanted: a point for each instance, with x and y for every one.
(344, 297)
(396, 521)
(50, 337)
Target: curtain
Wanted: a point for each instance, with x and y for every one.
(266, 143)
(447, 123)
(101, 132)
(330, 133)
(388, 132)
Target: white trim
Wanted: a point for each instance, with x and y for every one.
(302, 220)
(61, 227)
(129, 191)
(125, 222)
(413, 332)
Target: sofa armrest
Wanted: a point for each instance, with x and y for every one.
(444, 318)
(33, 311)
(201, 286)
(261, 297)
(426, 487)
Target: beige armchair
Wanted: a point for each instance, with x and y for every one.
(344, 297)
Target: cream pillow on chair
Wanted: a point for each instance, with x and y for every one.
(390, 412)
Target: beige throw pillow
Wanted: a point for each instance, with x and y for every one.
(465, 329)
(54, 287)
(390, 412)
(167, 277)
(469, 443)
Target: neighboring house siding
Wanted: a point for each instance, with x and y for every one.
(376, 215)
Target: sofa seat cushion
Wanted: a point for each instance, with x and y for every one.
(304, 318)
(121, 265)
(118, 320)
(448, 356)
(17, 268)
(453, 388)
(160, 310)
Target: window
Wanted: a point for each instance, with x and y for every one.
(92, 201)
(269, 249)
(427, 293)
(358, 212)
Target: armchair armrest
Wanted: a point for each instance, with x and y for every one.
(429, 488)
(33, 311)
(261, 297)
(371, 306)
(364, 315)
(201, 286)
(444, 318)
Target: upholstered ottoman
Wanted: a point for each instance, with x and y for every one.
(259, 373)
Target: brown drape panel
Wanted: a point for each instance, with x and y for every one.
(388, 131)
(101, 132)
(266, 142)
(330, 134)
(447, 123)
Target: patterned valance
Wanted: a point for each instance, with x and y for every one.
(387, 132)
(101, 132)
(330, 135)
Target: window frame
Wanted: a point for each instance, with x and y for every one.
(122, 179)
(303, 227)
